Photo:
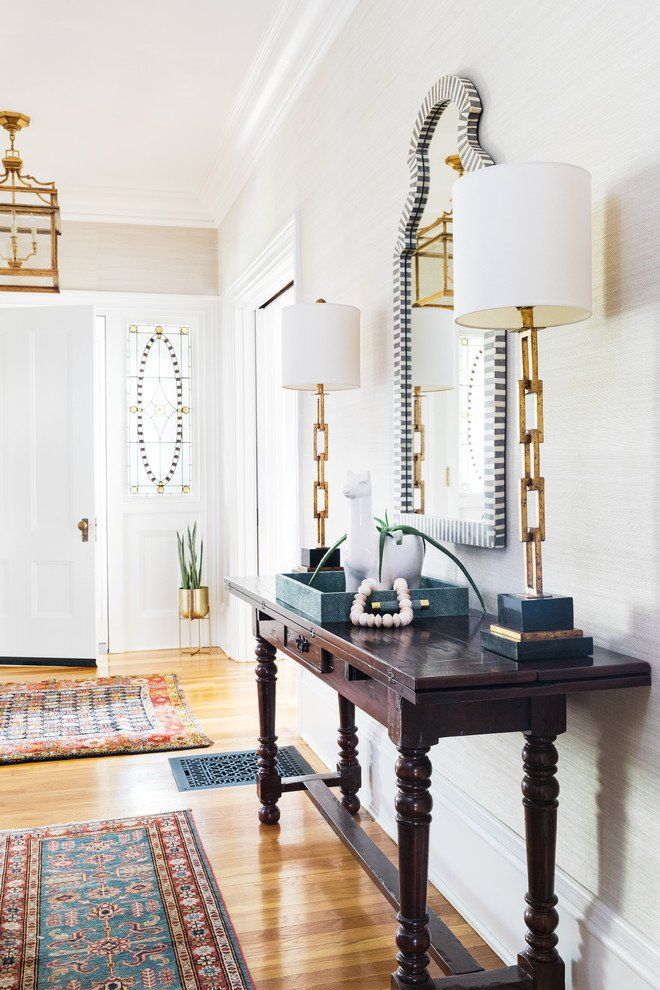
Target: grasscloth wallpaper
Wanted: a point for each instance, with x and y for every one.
(559, 81)
(124, 257)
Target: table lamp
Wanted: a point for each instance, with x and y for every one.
(320, 353)
(522, 261)
(433, 370)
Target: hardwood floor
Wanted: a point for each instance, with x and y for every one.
(305, 913)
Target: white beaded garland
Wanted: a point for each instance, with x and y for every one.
(388, 620)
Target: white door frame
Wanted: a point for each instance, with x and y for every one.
(128, 304)
(275, 267)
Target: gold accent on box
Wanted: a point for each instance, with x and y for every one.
(534, 637)
(424, 603)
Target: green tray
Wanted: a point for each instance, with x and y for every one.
(328, 601)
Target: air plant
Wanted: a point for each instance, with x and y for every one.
(396, 532)
(191, 569)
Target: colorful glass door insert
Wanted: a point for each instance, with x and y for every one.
(159, 414)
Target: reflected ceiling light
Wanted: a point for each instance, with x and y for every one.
(434, 255)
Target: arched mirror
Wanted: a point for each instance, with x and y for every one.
(449, 383)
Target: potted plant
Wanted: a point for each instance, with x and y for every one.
(397, 532)
(193, 595)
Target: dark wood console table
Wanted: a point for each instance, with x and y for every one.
(424, 683)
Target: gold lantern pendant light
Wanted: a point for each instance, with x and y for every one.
(29, 221)
(434, 256)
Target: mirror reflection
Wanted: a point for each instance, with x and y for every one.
(447, 361)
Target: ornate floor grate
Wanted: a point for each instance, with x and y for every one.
(193, 773)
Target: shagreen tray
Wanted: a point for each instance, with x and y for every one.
(328, 601)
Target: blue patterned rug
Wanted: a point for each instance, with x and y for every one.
(115, 905)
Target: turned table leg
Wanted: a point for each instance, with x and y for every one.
(348, 766)
(540, 792)
(269, 783)
(413, 808)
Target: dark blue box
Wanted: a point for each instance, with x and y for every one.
(552, 612)
(311, 557)
(538, 649)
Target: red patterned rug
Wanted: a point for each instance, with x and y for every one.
(104, 716)
(119, 905)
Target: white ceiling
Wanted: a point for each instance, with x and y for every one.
(142, 109)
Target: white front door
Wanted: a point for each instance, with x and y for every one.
(161, 462)
(47, 602)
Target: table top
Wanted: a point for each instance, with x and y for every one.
(441, 654)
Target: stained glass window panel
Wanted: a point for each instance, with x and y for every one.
(160, 409)
(471, 414)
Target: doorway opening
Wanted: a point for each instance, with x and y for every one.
(88, 564)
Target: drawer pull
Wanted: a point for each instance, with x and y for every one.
(302, 643)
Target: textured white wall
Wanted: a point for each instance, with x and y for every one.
(125, 257)
(562, 82)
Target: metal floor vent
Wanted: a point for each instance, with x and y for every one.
(194, 773)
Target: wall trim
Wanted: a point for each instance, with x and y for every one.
(147, 207)
(294, 45)
(481, 862)
(296, 41)
(275, 266)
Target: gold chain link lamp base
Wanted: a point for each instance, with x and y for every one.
(523, 232)
(320, 353)
(320, 456)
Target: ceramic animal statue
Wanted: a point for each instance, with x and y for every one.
(402, 559)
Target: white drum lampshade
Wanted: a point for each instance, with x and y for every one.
(522, 238)
(320, 346)
(433, 349)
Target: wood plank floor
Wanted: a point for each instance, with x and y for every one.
(305, 913)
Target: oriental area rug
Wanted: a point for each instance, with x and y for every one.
(116, 905)
(104, 716)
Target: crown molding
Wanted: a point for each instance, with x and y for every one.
(298, 39)
(149, 207)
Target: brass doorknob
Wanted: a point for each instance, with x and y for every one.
(83, 526)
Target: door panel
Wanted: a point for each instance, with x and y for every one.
(47, 594)
(143, 570)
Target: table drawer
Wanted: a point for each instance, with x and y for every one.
(305, 648)
(297, 643)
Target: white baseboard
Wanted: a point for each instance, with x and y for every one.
(479, 864)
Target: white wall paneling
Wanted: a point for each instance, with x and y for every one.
(339, 160)
(477, 861)
(272, 268)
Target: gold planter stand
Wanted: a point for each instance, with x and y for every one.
(194, 607)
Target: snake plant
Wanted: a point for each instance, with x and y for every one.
(191, 566)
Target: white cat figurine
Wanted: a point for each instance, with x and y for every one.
(404, 559)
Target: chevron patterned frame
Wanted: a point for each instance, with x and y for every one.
(491, 531)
